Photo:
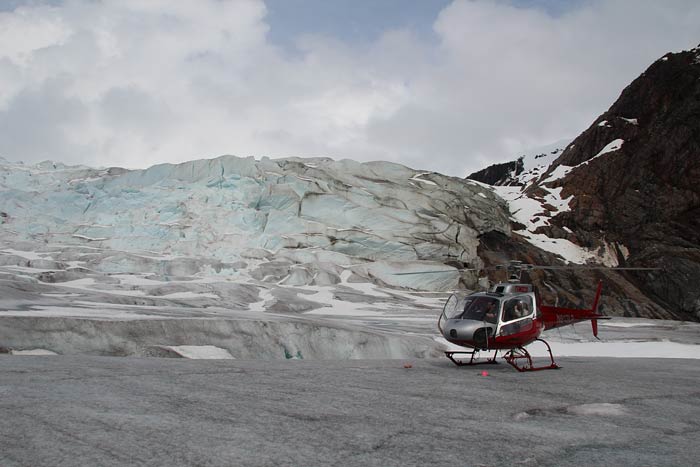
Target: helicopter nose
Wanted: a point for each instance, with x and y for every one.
(468, 332)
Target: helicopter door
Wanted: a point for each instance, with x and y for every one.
(517, 315)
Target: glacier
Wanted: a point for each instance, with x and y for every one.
(235, 245)
(228, 212)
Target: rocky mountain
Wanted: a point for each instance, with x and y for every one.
(522, 170)
(505, 173)
(625, 192)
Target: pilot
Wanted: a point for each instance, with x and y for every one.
(490, 314)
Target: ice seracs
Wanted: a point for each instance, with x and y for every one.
(216, 211)
(240, 239)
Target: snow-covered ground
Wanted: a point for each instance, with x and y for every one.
(219, 316)
(124, 411)
(344, 320)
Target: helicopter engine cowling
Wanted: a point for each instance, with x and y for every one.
(467, 332)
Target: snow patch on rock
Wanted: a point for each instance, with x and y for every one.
(610, 147)
(536, 211)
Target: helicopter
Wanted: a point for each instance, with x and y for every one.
(509, 317)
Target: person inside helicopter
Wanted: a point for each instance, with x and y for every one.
(515, 309)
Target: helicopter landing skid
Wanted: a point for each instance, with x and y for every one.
(520, 359)
(472, 354)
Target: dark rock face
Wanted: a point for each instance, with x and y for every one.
(569, 288)
(644, 196)
(499, 174)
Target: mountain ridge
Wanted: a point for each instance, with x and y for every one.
(627, 186)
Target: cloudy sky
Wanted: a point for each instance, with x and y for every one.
(441, 85)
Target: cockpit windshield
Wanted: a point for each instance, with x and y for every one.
(475, 307)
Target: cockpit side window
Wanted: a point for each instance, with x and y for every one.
(517, 307)
(482, 309)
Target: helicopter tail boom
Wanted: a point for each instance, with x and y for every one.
(555, 317)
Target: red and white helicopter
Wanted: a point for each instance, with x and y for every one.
(507, 318)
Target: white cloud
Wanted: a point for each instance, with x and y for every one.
(135, 83)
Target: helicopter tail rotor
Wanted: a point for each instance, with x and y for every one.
(594, 309)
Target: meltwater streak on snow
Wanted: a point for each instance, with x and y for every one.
(599, 409)
(33, 352)
(200, 352)
(178, 295)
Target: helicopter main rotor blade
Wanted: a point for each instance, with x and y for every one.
(610, 268)
(526, 267)
(442, 271)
